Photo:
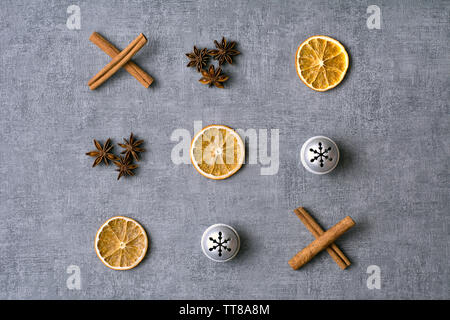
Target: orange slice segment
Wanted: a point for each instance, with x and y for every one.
(321, 62)
(217, 152)
(121, 243)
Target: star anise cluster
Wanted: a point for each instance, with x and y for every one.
(223, 54)
(124, 161)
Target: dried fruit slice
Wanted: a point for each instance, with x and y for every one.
(217, 152)
(321, 62)
(121, 243)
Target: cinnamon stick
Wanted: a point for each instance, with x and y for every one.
(117, 62)
(333, 250)
(321, 243)
(143, 77)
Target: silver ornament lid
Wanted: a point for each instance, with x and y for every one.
(319, 155)
(220, 242)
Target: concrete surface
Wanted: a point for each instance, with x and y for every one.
(390, 117)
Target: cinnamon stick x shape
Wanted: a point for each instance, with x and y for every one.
(313, 227)
(324, 240)
(117, 62)
(143, 77)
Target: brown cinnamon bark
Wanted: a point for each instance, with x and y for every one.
(313, 227)
(321, 243)
(143, 77)
(117, 62)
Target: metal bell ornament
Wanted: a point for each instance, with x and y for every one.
(319, 155)
(220, 242)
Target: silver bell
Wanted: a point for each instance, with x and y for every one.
(220, 242)
(319, 155)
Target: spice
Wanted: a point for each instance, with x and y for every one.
(321, 243)
(117, 62)
(102, 153)
(143, 77)
(333, 250)
(213, 77)
(125, 167)
(224, 51)
(124, 163)
(198, 58)
(131, 147)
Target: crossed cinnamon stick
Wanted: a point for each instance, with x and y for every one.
(120, 59)
(324, 240)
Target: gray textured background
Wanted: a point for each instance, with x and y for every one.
(390, 117)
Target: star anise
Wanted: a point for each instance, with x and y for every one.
(124, 166)
(224, 51)
(131, 147)
(213, 77)
(198, 58)
(102, 152)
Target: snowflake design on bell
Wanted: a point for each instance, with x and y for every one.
(321, 154)
(219, 244)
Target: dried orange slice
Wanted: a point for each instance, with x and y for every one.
(121, 243)
(321, 62)
(217, 152)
